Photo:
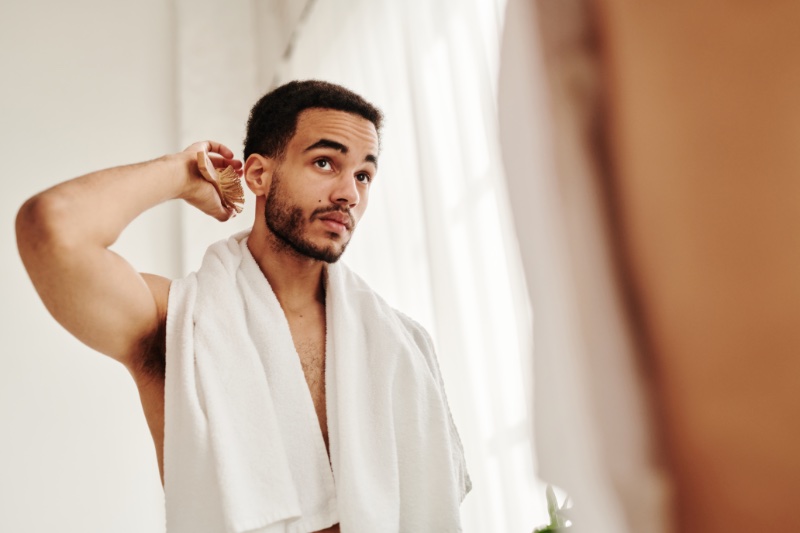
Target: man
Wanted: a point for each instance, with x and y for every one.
(311, 155)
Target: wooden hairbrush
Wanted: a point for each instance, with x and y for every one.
(226, 181)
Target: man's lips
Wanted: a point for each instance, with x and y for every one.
(332, 225)
(337, 220)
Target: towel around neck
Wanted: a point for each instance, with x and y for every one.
(243, 451)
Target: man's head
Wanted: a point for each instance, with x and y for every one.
(273, 119)
(311, 152)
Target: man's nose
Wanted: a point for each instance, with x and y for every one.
(346, 191)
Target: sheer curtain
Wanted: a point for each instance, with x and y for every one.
(436, 240)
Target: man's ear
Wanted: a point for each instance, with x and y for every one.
(258, 173)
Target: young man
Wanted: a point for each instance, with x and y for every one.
(244, 443)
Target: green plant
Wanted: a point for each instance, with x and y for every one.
(558, 515)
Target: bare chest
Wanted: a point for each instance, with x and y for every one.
(308, 335)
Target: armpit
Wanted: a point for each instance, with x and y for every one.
(152, 361)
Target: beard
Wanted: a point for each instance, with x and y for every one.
(287, 222)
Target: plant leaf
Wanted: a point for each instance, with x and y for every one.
(552, 505)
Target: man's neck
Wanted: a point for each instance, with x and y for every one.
(296, 280)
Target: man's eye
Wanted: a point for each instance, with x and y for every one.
(363, 177)
(323, 164)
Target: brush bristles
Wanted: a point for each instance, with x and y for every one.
(231, 186)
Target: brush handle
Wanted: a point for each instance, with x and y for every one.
(207, 170)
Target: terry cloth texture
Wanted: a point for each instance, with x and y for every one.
(243, 450)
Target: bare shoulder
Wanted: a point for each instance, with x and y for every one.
(149, 360)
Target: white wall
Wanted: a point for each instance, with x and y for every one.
(86, 84)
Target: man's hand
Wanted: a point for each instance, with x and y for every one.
(199, 192)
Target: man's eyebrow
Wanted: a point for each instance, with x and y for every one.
(327, 143)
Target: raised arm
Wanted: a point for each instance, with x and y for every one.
(63, 235)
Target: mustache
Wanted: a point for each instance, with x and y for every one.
(321, 211)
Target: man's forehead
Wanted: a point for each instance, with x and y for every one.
(348, 128)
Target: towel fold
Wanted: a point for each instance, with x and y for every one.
(243, 450)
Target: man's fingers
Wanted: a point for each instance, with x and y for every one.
(212, 147)
(220, 149)
(224, 162)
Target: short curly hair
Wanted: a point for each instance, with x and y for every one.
(273, 119)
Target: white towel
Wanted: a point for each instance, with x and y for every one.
(243, 451)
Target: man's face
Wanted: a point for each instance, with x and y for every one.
(319, 190)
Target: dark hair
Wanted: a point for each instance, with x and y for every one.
(273, 119)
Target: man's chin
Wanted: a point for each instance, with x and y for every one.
(328, 254)
(331, 251)
(331, 255)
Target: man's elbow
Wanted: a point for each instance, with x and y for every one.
(37, 228)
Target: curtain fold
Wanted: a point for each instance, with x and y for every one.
(437, 240)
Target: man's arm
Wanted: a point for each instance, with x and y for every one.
(63, 235)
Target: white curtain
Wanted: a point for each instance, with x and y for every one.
(436, 240)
